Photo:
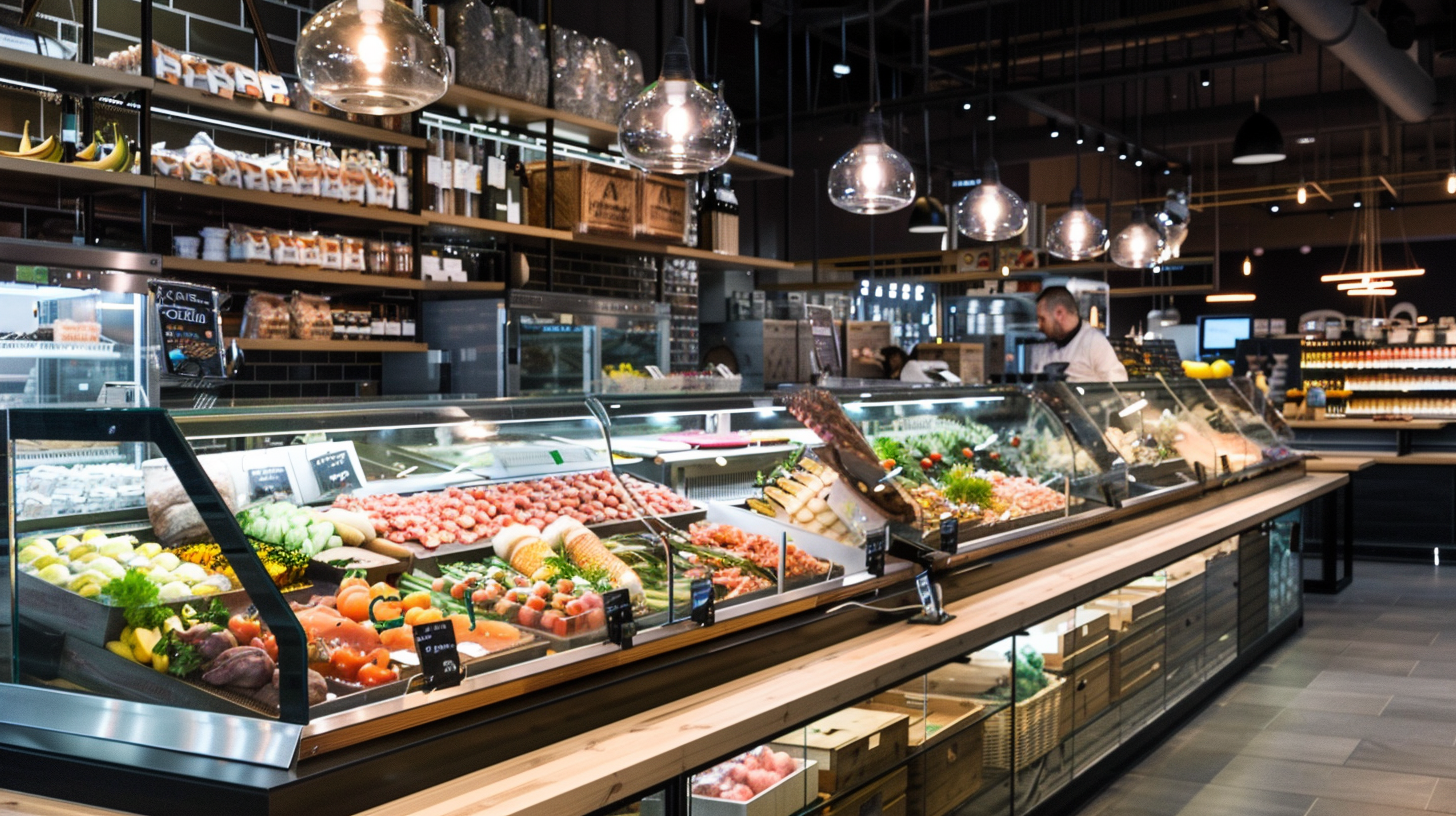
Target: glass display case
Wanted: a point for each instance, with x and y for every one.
(1187, 423)
(563, 343)
(1122, 432)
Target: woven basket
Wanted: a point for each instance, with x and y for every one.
(1036, 728)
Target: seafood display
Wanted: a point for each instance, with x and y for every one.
(757, 548)
(468, 515)
(847, 452)
(797, 491)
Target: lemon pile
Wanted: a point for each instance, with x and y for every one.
(1216, 370)
(86, 564)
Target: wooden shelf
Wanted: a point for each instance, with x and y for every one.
(259, 198)
(302, 274)
(71, 173)
(1356, 424)
(464, 286)
(329, 345)
(68, 76)
(1150, 291)
(281, 115)
(499, 227)
(575, 128)
(703, 256)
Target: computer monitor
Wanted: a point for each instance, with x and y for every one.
(1220, 334)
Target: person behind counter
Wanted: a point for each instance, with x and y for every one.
(1083, 349)
(909, 368)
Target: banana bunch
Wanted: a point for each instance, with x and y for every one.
(47, 151)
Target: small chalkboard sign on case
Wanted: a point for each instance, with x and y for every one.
(334, 472)
(702, 590)
(950, 534)
(439, 658)
(270, 482)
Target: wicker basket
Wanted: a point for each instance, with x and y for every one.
(1036, 728)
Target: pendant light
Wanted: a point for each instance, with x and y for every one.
(372, 56)
(990, 211)
(676, 125)
(1077, 235)
(1138, 245)
(1259, 140)
(873, 178)
(927, 214)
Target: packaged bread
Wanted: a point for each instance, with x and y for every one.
(265, 317)
(280, 177)
(194, 71)
(225, 167)
(275, 88)
(352, 177)
(173, 517)
(378, 184)
(198, 160)
(310, 317)
(167, 64)
(248, 244)
(252, 168)
(245, 80)
(306, 173)
(331, 183)
(308, 248)
(331, 252)
(168, 163)
(282, 249)
(353, 254)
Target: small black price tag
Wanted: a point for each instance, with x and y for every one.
(620, 627)
(950, 534)
(875, 547)
(702, 589)
(439, 659)
(334, 472)
(269, 483)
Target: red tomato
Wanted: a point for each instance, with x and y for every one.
(887, 464)
(936, 457)
(244, 628)
(1015, 441)
(458, 591)
(968, 453)
(926, 464)
(993, 456)
(536, 602)
(372, 675)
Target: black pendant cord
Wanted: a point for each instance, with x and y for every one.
(929, 176)
(990, 92)
(1077, 84)
(925, 89)
(874, 61)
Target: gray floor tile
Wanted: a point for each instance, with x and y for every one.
(1303, 747)
(1421, 708)
(1325, 806)
(1362, 726)
(1138, 795)
(1444, 799)
(1364, 683)
(1256, 694)
(1343, 702)
(1402, 758)
(1411, 637)
(1395, 667)
(1442, 669)
(1311, 779)
(1189, 763)
(1217, 800)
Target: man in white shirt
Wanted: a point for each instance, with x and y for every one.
(1088, 355)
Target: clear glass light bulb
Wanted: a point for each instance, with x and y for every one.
(1301, 196)
(1138, 245)
(990, 211)
(1077, 235)
(1451, 183)
(873, 178)
(675, 125)
(1248, 265)
(371, 56)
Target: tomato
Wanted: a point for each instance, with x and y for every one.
(458, 591)
(372, 675)
(345, 661)
(565, 587)
(244, 628)
(936, 457)
(887, 464)
(968, 453)
(267, 643)
(438, 585)
(993, 456)
(536, 602)
(1015, 441)
(480, 597)
(926, 464)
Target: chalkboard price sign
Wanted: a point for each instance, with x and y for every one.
(191, 329)
(950, 534)
(620, 626)
(269, 483)
(439, 659)
(825, 339)
(334, 472)
(702, 589)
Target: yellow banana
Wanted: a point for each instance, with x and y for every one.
(41, 152)
(89, 151)
(25, 138)
(118, 160)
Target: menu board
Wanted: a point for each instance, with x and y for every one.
(825, 339)
(191, 329)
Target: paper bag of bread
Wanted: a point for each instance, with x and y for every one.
(173, 517)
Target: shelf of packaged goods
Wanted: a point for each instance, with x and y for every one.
(1430, 365)
(70, 173)
(288, 202)
(300, 274)
(42, 350)
(703, 256)
(248, 344)
(281, 115)
(464, 286)
(576, 128)
(1445, 388)
(499, 227)
(68, 76)
(1353, 424)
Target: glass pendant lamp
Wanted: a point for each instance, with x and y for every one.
(1138, 245)
(1078, 234)
(372, 56)
(676, 125)
(991, 211)
(873, 178)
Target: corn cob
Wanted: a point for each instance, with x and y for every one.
(762, 507)
(586, 550)
(523, 548)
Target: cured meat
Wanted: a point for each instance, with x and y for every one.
(846, 450)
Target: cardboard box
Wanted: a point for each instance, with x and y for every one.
(947, 770)
(864, 339)
(590, 198)
(851, 745)
(1091, 632)
(885, 797)
(1127, 607)
(969, 361)
(662, 207)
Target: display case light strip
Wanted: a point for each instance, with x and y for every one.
(925, 403)
(1133, 409)
(27, 85)
(1380, 273)
(1343, 287)
(207, 120)
(1230, 297)
(361, 429)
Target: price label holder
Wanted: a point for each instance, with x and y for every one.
(269, 483)
(334, 472)
(439, 657)
(875, 548)
(654, 372)
(702, 592)
(950, 534)
(620, 626)
(932, 612)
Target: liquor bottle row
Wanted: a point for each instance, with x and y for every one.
(1387, 357)
(1400, 381)
(1411, 406)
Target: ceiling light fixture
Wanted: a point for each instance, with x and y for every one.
(1138, 245)
(1383, 273)
(1370, 292)
(1054, 130)
(1273, 208)
(1230, 297)
(1248, 267)
(1205, 77)
(1101, 143)
(1077, 234)
(1451, 183)
(1123, 152)
(872, 178)
(372, 56)
(927, 214)
(676, 125)
(841, 68)
(1302, 195)
(1374, 284)
(990, 110)
(755, 12)
(991, 211)
(1259, 140)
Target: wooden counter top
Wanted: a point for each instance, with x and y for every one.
(1368, 424)
(1339, 463)
(584, 773)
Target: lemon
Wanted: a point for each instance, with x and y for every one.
(93, 533)
(1221, 369)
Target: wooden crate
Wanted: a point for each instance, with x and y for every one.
(851, 745)
(1034, 732)
(1137, 660)
(662, 207)
(1086, 694)
(884, 796)
(1091, 632)
(590, 198)
(972, 362)
(1129, 607)
(947, 768)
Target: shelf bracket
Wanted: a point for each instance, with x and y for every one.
(264, 46)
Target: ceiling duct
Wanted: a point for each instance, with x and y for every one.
(1352, 35)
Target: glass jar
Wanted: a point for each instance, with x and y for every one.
(378, 258)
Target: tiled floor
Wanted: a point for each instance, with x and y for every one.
(1353, 716)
